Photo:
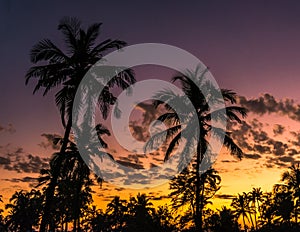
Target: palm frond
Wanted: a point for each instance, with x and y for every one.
(70, 27)
(45, 50)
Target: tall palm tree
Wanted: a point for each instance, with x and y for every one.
(56, 68)
(241, 207)
(73, 184)
(183, 121)
(255, 197)
(292, 179)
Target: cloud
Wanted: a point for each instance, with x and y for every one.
(278, 129)
(51, 141)
(17, 160)
(279, 147)
(225, 196)
(28, 179)
(129, 164)
(266, 104)
(287, 159)
(140, 128)
(252, 156)
(9, 128)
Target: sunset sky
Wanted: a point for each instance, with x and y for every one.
(250, 47)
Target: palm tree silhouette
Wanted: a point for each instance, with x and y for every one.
(141, 211)
(2, 223)
(283, 203)
(203, 117)
(66, 70)
(183, 190)
(292, 180)
(255, 197)
(116, 210)
(241, 207)
(24, 210)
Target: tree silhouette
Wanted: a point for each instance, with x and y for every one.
(141, 211)
(24, 210)
(116, 211)
(292, 179)
(255, 197)
(183, 191)
(283, 203)
(223, 220)
(2, 223)
(163, 219)
(241, 208)
(183, 122)
(66, 70)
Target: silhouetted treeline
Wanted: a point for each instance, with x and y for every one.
(277, 210)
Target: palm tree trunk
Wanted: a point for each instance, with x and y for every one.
(251, 220)
(198, 213)
(244, 222)
(255, 219)
(53, 182)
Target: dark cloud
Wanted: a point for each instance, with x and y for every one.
(278, 129)
(252, 156)
(225, 196)
(129, 164)
(280, 162)
(9, 128)
(296, 136)
(21, 162)
(262, 149)
(228, 161)
(32, 181)
(279, 147)
(287, 159)
(120, 189)
(141, 128)
(51, 141)
(267, 104)
(4, 161)
(158, 198)
(293, 152)
(259, 136)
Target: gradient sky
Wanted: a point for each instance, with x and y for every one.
(251, 47)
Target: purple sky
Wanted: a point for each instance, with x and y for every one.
(251, 47)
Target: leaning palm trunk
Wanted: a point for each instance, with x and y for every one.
(51, 188)
(199, 207)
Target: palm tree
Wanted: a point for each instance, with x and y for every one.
(267, 209)
(116, 211)
(141, 211)
(2, 224)
(163, 219)
(283, 203)
(72, 192)
(292, 179)
(255, 197)
(24, 210)
(183, 190)
(183, 121)
(241, 208)
(57, 68)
